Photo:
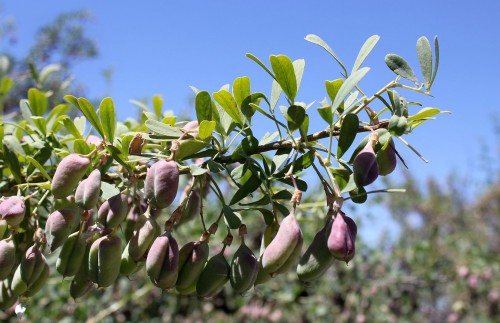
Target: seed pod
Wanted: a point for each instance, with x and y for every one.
(68, 173)
(292, 260)
(188, 147)
(39, 282)
(12, 210)
(386, 159)
(63, 203)
(317, 258)
(244, 269)
(283, 244)
(162, 263)
(7, 296)
(88, 191)
(161, 184)
(192, 206)
(71, 256)
(29, 270)
(3, 227)
(342, 238)
(93, 140)
(104, 260)
(60, 224)
(143, 238)
(81, 284)
(7, 258)
(365, 165)
(113, 211)
(128, 266)
(192, 259)
(213, 277)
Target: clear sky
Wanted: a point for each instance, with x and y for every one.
(162, 47)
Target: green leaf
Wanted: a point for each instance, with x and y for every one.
(250, 183)
(295, 115)
(304, 128)
(285, 75)
(47, 71)
(163, 129)
(241, 89)
(436, 63)
(38, 102)
(298, 67)
(268, 138)
(58, 110)
(70, 126)
(398, 65)
(365, 51)
(26, 111)
(341, 176)
(326, 113)
(41, 124)
(204, 106)
(80, 124)
(320, 42)
(206, 129)
(358, 195)
(5, 85)
(258, 61)
(228, 103)
(196, 170)
(348, 131)
(425, 59)
(246, 107)
(108, 190)
(426, 113)
(267, 214)
(275, 95)
(233, 219)
(80, 146)
(280, 159)
(333, 87)
(12, 161)
(158, 105)
(108, 118)
(348, 85)
(89, 112)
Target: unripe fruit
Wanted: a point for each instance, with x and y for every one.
(113, 211)
(60, 224)
(292, 259)
(317, 258)
(143, 238)
(3, 227)
(128, 266)
(7, 258)
(244, 269)
(68, 173)
(283, 245)
(93, 140)
(12, 210)
(29, 270)
(104, 260)
(192, 259)
(88, 191)
(342, 238)
(7, 296)
(162, 263)
(71, 256)
(192, 206)
(365, 165)
(386, 159)
(161, 183)
(39, 282)
(213, 277)
(81, 284)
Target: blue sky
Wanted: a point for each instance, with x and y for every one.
(162, 47)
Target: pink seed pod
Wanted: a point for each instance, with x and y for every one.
(365, 166)
(12, 210)
(88, 191)
(68, 173)
(161, 183)
(162, 262)
(60, 224)
(342, 238)
(113, 211)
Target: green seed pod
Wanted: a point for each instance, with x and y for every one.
(386, 159)
(113, 211)
(161, 184)
(81, 284)
(342, 238)
(39, 282)
(365, 167)
(63, 203)
(192, 259)
(28, 271)
(162, 263)
(244, 269)
(7, 258)
(317, 258)
(12, 210)
(68, 173)
(192, 206)
(213, 277)
(104, 260)
(283, 244)
(7, 296)
(143, 238)
(292, 259)
(188, 147)
(128, 265)
(71, 256)
(262, 275)
(60, 224)
(88, 191)
(3, 227)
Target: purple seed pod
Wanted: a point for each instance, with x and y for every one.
(68, 173)
(12, 210)
(386, 159)
(113, 211)
(342, 238)
(162, 262)
(244, 269)
(7, 257)
(365, 166)
(161, 184)
(88, 191)
(60, 224)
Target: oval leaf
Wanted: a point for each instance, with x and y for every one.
(365, 51)
(348, 85)
(108, 118)
(285, 75)
(425, 59)
(348, 132)
(398, 65)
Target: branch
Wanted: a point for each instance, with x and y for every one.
(289, 143)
